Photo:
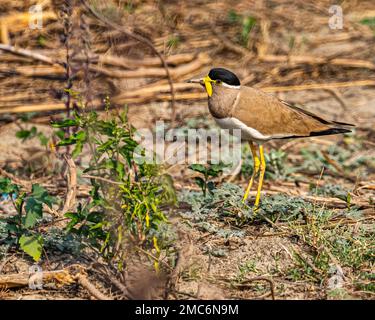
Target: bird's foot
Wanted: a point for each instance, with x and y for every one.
(256, 209)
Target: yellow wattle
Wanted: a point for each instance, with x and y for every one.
(208, 85)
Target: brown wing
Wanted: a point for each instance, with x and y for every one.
(278, 119)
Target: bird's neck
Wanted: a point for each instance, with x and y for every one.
(222, 101)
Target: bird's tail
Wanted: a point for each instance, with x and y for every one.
(336, 130)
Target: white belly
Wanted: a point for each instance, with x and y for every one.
(247, 133)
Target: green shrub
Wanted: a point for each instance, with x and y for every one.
(123, 210)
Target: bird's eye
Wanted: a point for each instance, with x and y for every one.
(218, 81)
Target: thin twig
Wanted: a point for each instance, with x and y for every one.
(88, 176)
(84, 282)
(72, 185)
(29, 54)
(245, 282)
(154, 258)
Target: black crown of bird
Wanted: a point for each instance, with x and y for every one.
(261, 117)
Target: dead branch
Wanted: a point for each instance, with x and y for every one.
(145, 62)
(29, 54)
(33, 108)
(84, 282)
(25, 183)
(4, 33)
(337, 95)
(174, 73)
(19, 280)
(315, 86)
(72, 185)
(61, 277)
(227, 43)
(245, 284)
(34, 71)
(353, 63)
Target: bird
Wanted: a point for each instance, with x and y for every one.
(261, 117)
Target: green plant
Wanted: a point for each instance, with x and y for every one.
(332, 190)
(281, 207)
(330, 246)
(25, 134)
(338, 158)
(233, 16)
(130, 6)
(369, 22)
(339, 294)
(173, 42)
(207, 171)
(247, 24)
(126, 196)
(22, 228)
(245, 268)
(41, 40)
(225, 203)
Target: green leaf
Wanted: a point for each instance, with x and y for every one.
(95, 217)
(60, 134)
(19, 201)
(348, 199)
(99, 225)
(34, 211)
(66, 142)
(74, 220)
(127, 152)
(368, 21)
(109, 164)
(41, 194)
(210, 186)
(77, 149)
(23, 134)
(11, 226)
(124, 115)
(6, 186)
(215, 169)
(105, 146)
(106, 128)
(43, 139)
(34, 205)
(32, 245)
(120, 169)
(74, 138)
(233, 16)
(200, 182)
(198, 167)
(80, 135)
(65, 123)
(247, 25)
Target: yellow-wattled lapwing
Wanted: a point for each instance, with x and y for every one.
(261, 117)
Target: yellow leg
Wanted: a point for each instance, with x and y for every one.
(255, 169)
(261, 177)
